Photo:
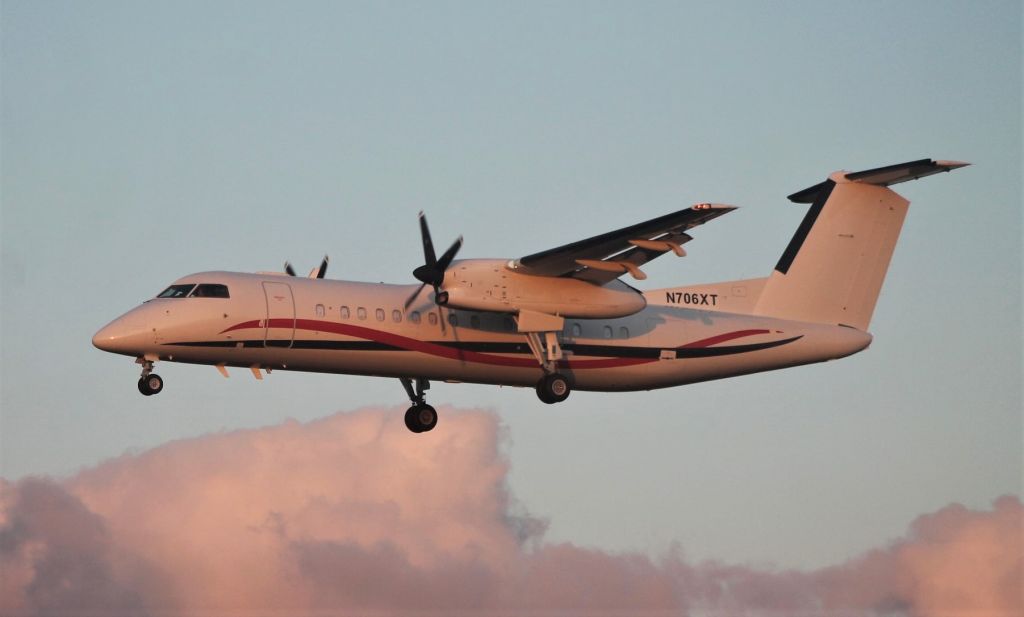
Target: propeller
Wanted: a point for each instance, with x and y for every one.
(315, 273)
(432, 271)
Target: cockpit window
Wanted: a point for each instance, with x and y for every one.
(177, 291)
(210, 290)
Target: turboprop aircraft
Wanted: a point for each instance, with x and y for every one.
(556, 320)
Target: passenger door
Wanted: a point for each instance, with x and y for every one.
(280, 324)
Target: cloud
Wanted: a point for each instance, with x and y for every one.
(954, 561)
(353, 512)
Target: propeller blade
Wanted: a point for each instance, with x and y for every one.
(449, 255)
(322, 270)
(289, 269)
(432, 272)
(411, 298)
(428, 245)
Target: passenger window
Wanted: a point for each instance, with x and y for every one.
(319, 310)
(576, 329)
(623, 332)
(396, 316)
(380, 314)
(474, 321)
(361, 313)
(432, 318)
(453, 319)
(607, 331)
(507, 322)
(344, 312)
(176, 291)
(414, 317)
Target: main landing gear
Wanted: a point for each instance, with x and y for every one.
(421, 417)
(553, 387)
(150, 383)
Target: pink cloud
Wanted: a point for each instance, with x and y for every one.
(354, 512)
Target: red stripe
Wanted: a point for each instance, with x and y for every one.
(433, 349)
(721, 338)
(443, 351)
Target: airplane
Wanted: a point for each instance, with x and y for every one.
(557, 320)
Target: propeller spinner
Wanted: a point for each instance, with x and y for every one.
(432, 271)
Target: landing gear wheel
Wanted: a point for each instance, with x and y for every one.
(420, 418)
(151, 384)
(553, 388)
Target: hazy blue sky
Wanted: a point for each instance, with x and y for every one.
(142, 142)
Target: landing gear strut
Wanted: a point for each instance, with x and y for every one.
(150, 383)
(421, 417)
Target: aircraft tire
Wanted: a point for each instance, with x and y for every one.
(542, 393)
(410, 419)
(151, 384)
(420, 418)
(553, 388)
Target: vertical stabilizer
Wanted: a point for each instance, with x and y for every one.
(833, 268)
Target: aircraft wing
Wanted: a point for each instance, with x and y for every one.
(606, 257)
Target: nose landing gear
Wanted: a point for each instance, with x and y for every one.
(421, 417)
(150, 383)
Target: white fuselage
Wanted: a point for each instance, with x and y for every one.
(288, 323)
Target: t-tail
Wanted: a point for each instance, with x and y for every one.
(833, 268)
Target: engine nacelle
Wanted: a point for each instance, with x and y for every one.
(488, 285)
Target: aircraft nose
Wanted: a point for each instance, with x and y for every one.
(124, 335)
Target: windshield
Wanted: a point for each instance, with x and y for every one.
(177, 291)
(210, 290)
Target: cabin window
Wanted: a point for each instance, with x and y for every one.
(607, 331)
(474, 321)
(577, 330)
(209, 290)
(380, 314)
(453, 319)
(623, 332)
(432, 318)
(414, 317)
(344, 312)
(319, 310)
(507, 322)
(396, 316)
(361, 313)
(177, 291)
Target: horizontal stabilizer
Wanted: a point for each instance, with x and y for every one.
(882, 176)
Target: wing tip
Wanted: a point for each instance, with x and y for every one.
(711, 206)
(951, 165)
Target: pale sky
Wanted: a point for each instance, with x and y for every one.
(145, 141)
